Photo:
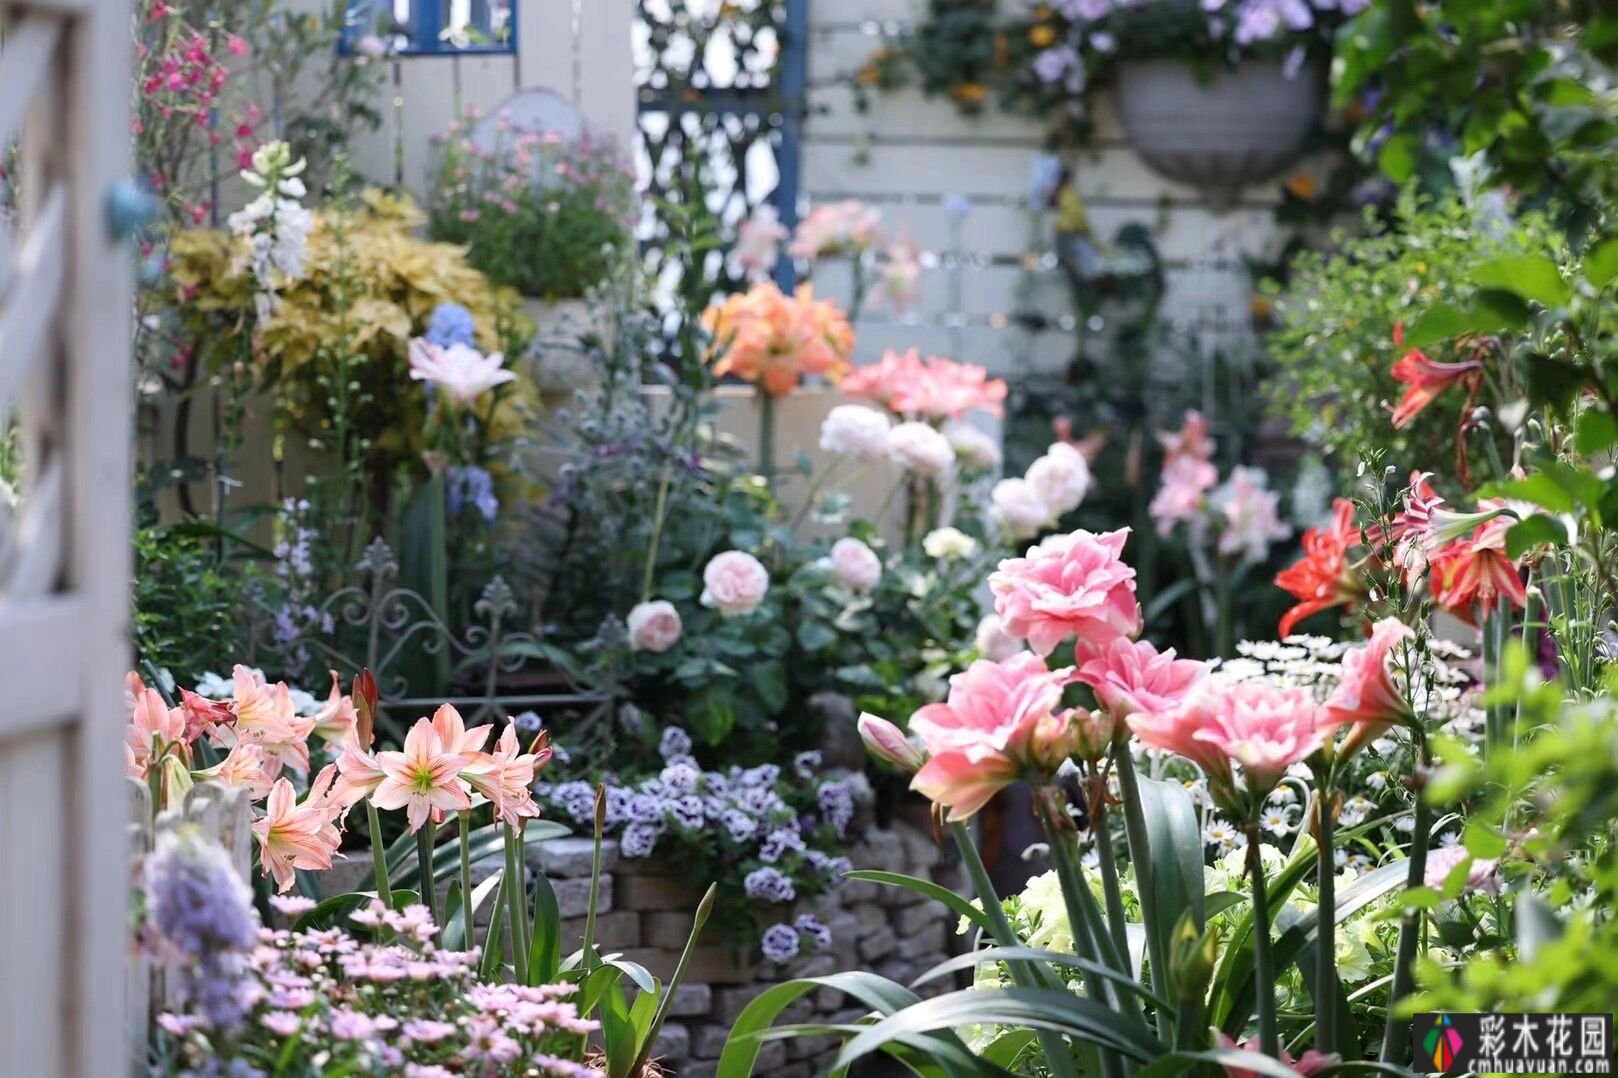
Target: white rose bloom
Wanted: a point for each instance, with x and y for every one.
(972, 447)
(918, 448)
(1019, 509)
(855, 430)
(949, 543)
(1061, 478)
(993, 642)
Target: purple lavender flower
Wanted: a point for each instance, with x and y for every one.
(640, 839)
(687, 812)
(781, 841)
(780, 943)
(739, 825)
(836, 800)
(680, 778)
(808, 925)
(675, 742)
(769, 885)
(450, 324)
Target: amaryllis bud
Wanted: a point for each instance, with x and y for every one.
(541, 749)
(887, 742)
(203, 715)
(365, 698)
(1055, 738)
(1092, 733)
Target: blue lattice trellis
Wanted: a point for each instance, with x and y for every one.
(721, 102)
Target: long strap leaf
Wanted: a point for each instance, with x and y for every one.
(1035, 954)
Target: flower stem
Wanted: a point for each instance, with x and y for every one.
(379, 855)
(1026, 974)
(1395, 1035)
(1116, 917)
(1263, 964)
(1326, 923)
(424, 862)
(766, 436)
(1140, 856)
(469, 936)
(515, 894)
(657, 530)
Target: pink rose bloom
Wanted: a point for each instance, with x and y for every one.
(1264, 728)
(1481, 877)
(734, 583)
(654, 626)
(1069, 585)
(1131, 676)
(1365, 694)
(998, 722)
(1180, 497)
(856, 565)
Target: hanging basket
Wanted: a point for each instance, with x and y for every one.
(1239, 128)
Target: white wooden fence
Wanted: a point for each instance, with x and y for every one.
(909, 153)
(64, 561)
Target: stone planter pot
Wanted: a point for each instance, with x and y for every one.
(557, 361)
(1241, 127)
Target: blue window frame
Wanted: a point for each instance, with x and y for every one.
(430, 27)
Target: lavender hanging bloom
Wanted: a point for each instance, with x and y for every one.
(201, 916)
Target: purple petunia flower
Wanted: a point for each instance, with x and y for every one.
(780, 943)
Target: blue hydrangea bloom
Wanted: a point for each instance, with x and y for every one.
(450, 324)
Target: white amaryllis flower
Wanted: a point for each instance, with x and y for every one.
(462, 373)
(854, 430)
(919, 448)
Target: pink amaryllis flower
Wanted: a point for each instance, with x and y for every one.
(1191, 440)
(461, 373)
(154, 731)
(506, 775)
(999, 723)
(1130, 676)
(1183, 492)
(1366, 696)
(293, 835)
(336, 719)
(1069, 585)
(1262, 728)
(243, 767)
(422, 779)
(266, 716)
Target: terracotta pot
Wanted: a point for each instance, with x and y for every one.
(1241, 127)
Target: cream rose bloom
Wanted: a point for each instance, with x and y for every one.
(654, 626)
(734, 583)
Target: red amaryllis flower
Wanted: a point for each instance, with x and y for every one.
(1323, 578)
(1427, 378)
(1474, 573)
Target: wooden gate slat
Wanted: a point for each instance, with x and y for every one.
(25, 58)
(29, 308)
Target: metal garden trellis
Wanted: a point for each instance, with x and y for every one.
(713, 89)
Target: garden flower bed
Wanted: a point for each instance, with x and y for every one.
(555, 657)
